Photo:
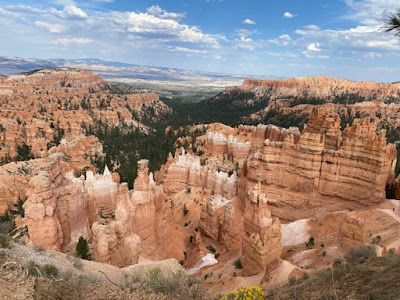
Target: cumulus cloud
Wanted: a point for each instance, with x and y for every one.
(67, 41)
(149, 25)
(360, 38)
(288, 15)
(163, 14)
(282, 40)
(249, 22)
(69, 12)
(313, 47)
(53, 28)
(370, 12)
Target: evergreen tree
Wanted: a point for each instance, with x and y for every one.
(393, 23)
(24, 153)
(82, 249)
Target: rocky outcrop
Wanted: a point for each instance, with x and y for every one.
(187, 172)
(325, 88)
(41, 207)
(42, 107)
(262, 238)
(102, 192)
(322, 171)
(138, 226)
(373, 226)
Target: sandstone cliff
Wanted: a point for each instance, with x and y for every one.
(324, 88)
(49, 106)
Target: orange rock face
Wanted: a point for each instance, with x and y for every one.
(42, 107)
(322, 171)
(262, 239)
(325, 88)
(56, 208)
(321, 182)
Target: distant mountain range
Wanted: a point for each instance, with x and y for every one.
(168, 80)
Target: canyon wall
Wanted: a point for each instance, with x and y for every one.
(51, 106)
(321, 87)
(318, 170)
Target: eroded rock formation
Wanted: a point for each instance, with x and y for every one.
(49, 106)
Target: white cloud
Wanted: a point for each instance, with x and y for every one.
(75, 12)
(69, 12)
(285, 37)
(372, 55)
(63, 2)
(282, 40)
(53, 28)
(10, 14)
(156, 10)
(187, 50)
(313, 47)
(287, 15)
(249, 22)
(312, 27)
(360, 38)
(313, 55)
(245, 32)
(25, 9)
(67, 41)
(370, 12)
(149, 25)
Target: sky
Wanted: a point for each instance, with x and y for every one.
(288, 38)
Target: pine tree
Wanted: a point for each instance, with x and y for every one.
(393, 23)
(82, 249)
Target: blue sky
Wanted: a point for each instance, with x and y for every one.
(340, 38)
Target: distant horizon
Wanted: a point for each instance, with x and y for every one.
(252, 76)
(341, 39)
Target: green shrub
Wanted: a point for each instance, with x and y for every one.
(211, 248)
(324, 253)
(238, 264)
(216, 255)
(3, 240)
(24, 153)
(6, 217)
(50, 270)
(292, 281)
(33, 269)
(310, 243)
(360, 254)
(337, 262)
(185, 210)
(38, 248)
(376, 240)
(178, 286)
(82, 249)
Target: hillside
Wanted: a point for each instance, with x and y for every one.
(169, 81)
(361, 278)
(288, 102)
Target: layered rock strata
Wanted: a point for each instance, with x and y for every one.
(262, 238)
(322, 171)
